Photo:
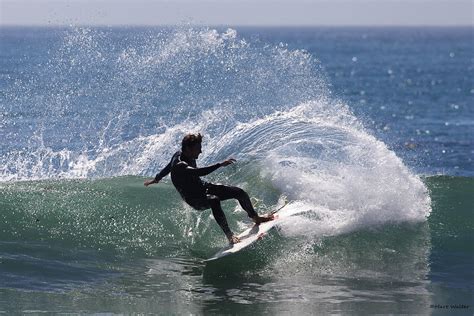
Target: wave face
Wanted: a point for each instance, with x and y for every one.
(104, 109)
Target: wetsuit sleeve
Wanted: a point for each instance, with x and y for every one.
(200, 172)
(163, 173)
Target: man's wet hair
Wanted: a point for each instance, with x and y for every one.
(191, 140)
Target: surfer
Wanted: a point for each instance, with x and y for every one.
(202, 195)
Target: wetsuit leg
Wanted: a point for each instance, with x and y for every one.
(224, 192)
(218, 214)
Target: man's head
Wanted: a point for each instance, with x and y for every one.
(191, 145)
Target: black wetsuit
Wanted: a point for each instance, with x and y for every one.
(203, 195)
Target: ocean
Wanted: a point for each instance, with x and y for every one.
(367, 130)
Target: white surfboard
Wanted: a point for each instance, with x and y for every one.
(254, 233)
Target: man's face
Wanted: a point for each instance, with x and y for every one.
(194, 151)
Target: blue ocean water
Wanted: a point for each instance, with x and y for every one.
(367, 130)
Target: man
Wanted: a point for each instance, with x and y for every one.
(201, 195)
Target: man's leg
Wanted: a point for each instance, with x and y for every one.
(224, 192)
(219, 215)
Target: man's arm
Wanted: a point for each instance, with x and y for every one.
(201, 172)
(163, 173)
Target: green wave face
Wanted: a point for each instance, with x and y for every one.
(118, 215)
(121, 215)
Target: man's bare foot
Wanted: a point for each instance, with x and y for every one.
(233, 239)
(262, 219)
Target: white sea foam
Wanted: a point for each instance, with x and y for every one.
(341, 177)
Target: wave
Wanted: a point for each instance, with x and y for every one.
(108, 109)
(119, 216)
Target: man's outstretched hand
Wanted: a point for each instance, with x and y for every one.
(148, 182)
(228, 162)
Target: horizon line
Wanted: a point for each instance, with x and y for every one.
(244, 25)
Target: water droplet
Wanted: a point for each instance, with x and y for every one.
(451, 55)
(354, 59)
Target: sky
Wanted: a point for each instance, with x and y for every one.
(238, 12)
